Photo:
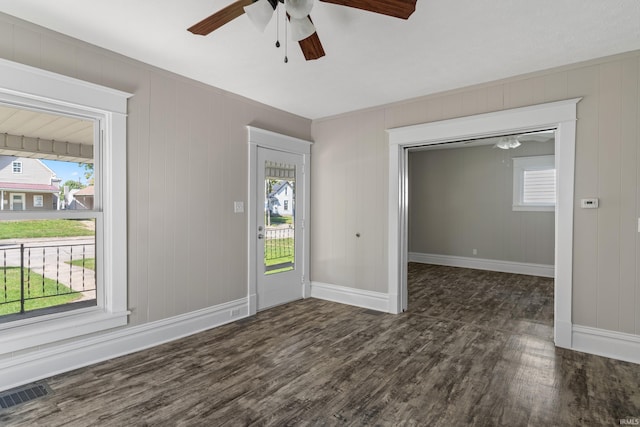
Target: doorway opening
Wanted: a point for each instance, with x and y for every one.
(481, 231)
(559, 115)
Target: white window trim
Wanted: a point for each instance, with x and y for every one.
(521, 164)
(26, 86)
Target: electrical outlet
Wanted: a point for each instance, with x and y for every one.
(589, 203)
(235, 312)
(475, 252)
(238, 207)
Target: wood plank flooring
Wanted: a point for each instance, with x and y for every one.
(473, 349)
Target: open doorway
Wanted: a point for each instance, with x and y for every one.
(560, 115)
(481, 231)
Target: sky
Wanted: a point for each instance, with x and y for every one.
(66, 170)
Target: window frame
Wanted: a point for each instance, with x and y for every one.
(38, 200)
(28, 87)
(529, 163)
(17, 163)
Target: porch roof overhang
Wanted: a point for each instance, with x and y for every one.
(28, 188)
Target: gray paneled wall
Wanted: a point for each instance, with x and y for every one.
(187, 162)
(461, 199)
(187, 250)
(606, 286)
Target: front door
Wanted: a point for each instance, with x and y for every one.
(279, 222)
(17, 202)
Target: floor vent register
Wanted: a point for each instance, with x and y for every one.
(20, 395)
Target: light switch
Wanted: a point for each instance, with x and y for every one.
(238, 207)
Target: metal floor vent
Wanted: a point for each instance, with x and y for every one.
(26, 393)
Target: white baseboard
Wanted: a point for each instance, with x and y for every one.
(366, 299)
(542, 270)
(601, 342)
(30, 366)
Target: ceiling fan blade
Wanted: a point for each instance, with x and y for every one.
(220, 18)
(396, 8)
(311, 46)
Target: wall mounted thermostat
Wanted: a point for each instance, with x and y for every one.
(589, 203)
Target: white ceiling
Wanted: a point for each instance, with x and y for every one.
(371, 59)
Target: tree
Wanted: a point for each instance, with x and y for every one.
(73, 185)
(88, 172)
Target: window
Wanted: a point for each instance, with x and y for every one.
(286, 205)
(17, 167)
(534, 183)
(38, 201)
(42, 93)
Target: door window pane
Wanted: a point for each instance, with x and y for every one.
(279, 236)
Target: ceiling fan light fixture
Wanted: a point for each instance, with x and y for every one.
(298, 9)
(508, 142)
(301, 28)
(260, 13)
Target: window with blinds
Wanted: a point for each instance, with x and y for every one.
(534, 183)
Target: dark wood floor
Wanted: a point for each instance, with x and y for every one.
(474, 348)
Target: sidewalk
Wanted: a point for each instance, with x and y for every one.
(50, 257)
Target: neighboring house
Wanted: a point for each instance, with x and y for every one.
(281, 199)
(27, 184)
(80, 199)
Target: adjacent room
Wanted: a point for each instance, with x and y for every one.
(486, 204)
(319, 212)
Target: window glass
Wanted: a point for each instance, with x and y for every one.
(47, 251)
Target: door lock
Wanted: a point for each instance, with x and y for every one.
(260, 236)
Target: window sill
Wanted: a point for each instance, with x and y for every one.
(520, 208)
(34, 332)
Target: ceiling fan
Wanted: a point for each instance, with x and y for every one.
(297, 11)
(514, 141)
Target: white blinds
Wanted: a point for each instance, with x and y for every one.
(274, 170)
(539, 186)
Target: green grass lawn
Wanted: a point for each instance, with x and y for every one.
(279, 251)
(43, 228)
(10, 291)
(278, 220)
(89, 263)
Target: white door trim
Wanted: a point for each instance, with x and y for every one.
(263, 138)
(23, 196)
(560, 115)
